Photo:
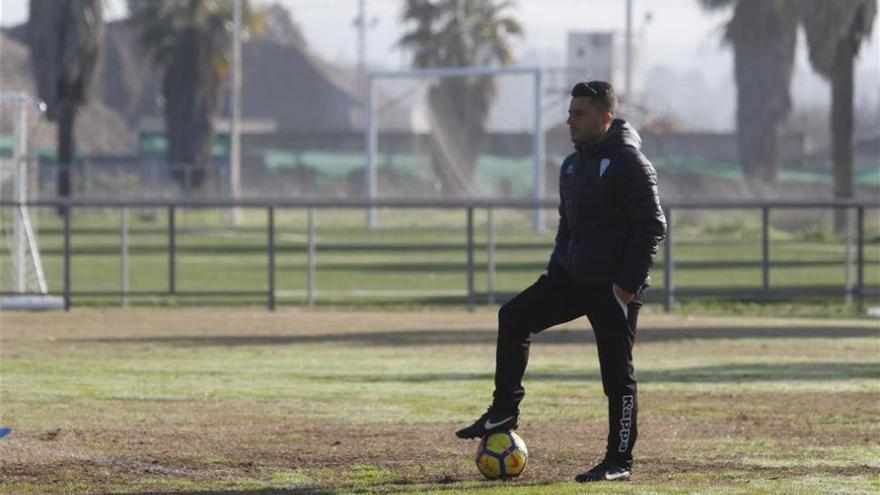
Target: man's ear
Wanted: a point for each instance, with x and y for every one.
(607, 117)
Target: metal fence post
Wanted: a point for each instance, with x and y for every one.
(860, 256)
(668, 285)
(172, 283)
(123, 257)
(372, 144)
(490, 256)
(66, 214)
(538, 150)
(270, 227)
(847, 260)
(470, 258)
(765, 248)
(310, 256)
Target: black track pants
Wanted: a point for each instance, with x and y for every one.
(553, 300)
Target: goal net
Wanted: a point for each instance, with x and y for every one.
(22, 277)
(454, 133)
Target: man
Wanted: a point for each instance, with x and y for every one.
(610, 227)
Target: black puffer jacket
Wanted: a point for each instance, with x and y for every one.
(610, 220)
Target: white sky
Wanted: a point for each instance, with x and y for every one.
(680, 36)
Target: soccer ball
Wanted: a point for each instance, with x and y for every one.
(501, 455)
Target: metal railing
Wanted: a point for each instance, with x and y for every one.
(271, 205)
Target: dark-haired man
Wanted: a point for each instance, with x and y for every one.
(610, 227)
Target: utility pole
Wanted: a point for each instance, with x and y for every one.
(235, 124)
(361, 22)
(629, 55)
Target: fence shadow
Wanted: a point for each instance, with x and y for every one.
(728, 373)
(431, 337)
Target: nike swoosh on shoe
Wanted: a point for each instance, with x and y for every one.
(489, 425)
(612, 477)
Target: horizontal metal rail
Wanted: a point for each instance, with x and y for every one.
(310, 205)
(428, 203)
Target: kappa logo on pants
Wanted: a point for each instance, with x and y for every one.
(625, 422)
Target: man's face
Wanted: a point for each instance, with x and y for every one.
(586, 123)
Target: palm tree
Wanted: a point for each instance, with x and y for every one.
(65, 43)
(189, 40)
(835, 31)
(763, 35)
(459, 33)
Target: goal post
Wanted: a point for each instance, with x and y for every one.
(27, 279)
(371, 125)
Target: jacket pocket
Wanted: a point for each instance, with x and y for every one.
(620, 302)
(593, 262)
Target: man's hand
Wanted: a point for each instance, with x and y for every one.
(623, 295)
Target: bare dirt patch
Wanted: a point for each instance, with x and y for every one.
(416, 453)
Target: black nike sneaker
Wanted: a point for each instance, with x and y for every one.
(491, 422)
(605, 471)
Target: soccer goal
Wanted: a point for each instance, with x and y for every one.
(23, 281)
(464, 132)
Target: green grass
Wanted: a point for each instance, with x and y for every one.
(318, 401)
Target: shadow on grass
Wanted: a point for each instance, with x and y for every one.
(728, 373)
(430, 337)
(749, 372)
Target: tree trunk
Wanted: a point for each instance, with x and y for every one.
(764, 38)
(842, 125)
(454, 153)
(189, 105)
(66, 147)
(459, 107)
(758, 134)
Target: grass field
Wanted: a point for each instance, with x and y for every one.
(418, 257)
(328, 401)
